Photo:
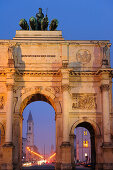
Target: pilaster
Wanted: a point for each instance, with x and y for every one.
(106, 116)
(9, 114)
(65, 107)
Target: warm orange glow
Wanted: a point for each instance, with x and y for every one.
(34, 152)
(52, 156)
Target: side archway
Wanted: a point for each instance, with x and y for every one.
(94, 131)
(93, 124)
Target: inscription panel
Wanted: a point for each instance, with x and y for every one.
(38, 56)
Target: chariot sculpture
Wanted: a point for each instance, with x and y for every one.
(39, 23)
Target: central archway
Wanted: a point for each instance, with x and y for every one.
(33, 98)
(36, 97)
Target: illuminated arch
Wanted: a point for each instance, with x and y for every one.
(36, 96)
(92, 123)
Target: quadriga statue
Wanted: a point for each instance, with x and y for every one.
(33, 23)
(23, 24)
(39, 23)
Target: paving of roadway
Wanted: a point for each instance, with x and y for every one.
(50, 167)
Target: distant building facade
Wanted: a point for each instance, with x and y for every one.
(30, 130)
(24, 145)
(83, 144)
(29, 142)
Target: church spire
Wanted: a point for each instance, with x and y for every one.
(30, 130)
(30, 117)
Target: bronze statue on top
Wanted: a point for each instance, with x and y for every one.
(39, 23)
(23, 24)
(39, 17)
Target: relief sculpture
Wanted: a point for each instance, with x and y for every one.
(84, 101)
(2, 101)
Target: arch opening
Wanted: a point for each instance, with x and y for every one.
(84, 144)
(43, 123)
(36, 97)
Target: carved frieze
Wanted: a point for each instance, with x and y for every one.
(2, 101)
(83, 56)
(84, 101)
(28, 89)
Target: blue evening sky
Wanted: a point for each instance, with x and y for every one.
(78, 20)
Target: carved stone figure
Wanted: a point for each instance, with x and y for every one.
(23, 24)
(39, 17)
(53, 25)
(33, 23)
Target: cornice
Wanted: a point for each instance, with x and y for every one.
(105, 70)
(38, 73)
(100, 43)
(82, 73)
(91, 73)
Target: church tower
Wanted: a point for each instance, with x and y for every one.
(30, 130)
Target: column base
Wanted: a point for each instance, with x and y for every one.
(65, 166)
(107, 145)
(65, 144)
(66, 156)
(7, 159)
(58, 166)
(104, 166)
(8, 144)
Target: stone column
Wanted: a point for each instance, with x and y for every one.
(66, 146)
(106, 115)
(9, 115)
(65, 113)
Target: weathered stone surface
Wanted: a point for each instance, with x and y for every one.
(71, 76)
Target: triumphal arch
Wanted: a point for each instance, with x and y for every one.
(75, 77)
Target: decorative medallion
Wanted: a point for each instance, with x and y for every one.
(83, 56)
(84, 101)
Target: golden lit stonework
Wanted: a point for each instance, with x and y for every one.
(84, 101)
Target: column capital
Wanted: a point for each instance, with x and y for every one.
(65, 72)
(65, 87)
(104, 87)
(10, 87)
